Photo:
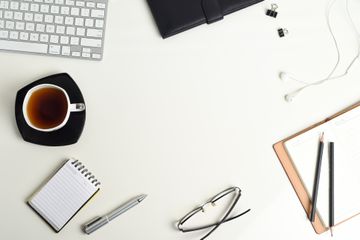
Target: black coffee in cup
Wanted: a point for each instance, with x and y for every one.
(47, 107)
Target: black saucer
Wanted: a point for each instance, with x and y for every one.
(71, 132)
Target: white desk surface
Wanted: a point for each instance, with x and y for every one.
(182, 119)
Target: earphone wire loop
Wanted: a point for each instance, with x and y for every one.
(289, 97)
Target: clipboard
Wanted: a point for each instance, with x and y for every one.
(295, 178)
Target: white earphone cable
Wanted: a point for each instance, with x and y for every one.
(289, 97)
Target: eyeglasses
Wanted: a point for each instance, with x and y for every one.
(233, 190)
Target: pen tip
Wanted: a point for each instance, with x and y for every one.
(142, 197)
(331, 232)
(322, 137)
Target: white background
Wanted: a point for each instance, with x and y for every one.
(182, 119)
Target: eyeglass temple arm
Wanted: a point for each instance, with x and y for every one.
(223, 219)
(214, 224)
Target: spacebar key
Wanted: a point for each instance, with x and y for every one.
(23, 46)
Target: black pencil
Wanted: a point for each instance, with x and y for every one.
(331, 190)
(317, 178)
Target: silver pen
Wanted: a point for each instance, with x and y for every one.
(98, 222)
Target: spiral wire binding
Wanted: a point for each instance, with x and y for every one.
(85, 172)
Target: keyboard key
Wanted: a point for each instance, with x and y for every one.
(55, 9)
(86, 55)
(79, 21)
(65, 10)
(24, 6)
(44, 38)
(94, 33)
(20, 26)
(96, 56)
(9, 25)
(54, 39)
(49, 18)
(101, 5)
(4, 34)
(44, 8)
(65, 51)
(70, 2)
(18, 16)
(80, 31)
(75, 11)
(64, 40)
(8, 15)
(34, 7)
(4, 4)
(74, 41)
(28, 16)
(90, 4)
(30, 26)
(80, 3)
(69, 20)
(38, 17)
(86, 50)
(75, 54)
(60, 2)
(40, 27)
(34, 37)
(95, 13)
(89, 22)
(85, 12)
(54, 49)
(59, 19)
(23, 46)
(14, 35)
(14, 5)
(2, 24)
(60, 29)
(50, 28)
(70, 31)
(99, 23)
(88, 42)
(24, 36)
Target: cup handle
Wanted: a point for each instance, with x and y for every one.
(77, 107)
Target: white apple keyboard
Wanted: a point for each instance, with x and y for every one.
(67, 28)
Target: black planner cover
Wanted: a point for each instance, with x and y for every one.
(175, 16)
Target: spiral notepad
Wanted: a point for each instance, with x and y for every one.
(69, 189)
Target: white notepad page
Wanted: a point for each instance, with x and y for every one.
(64, 194)
(344, 130)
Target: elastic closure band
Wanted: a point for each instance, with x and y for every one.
(212, 10)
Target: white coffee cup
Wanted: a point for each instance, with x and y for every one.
(71, 107)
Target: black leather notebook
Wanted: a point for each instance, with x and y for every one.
(175, 16)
